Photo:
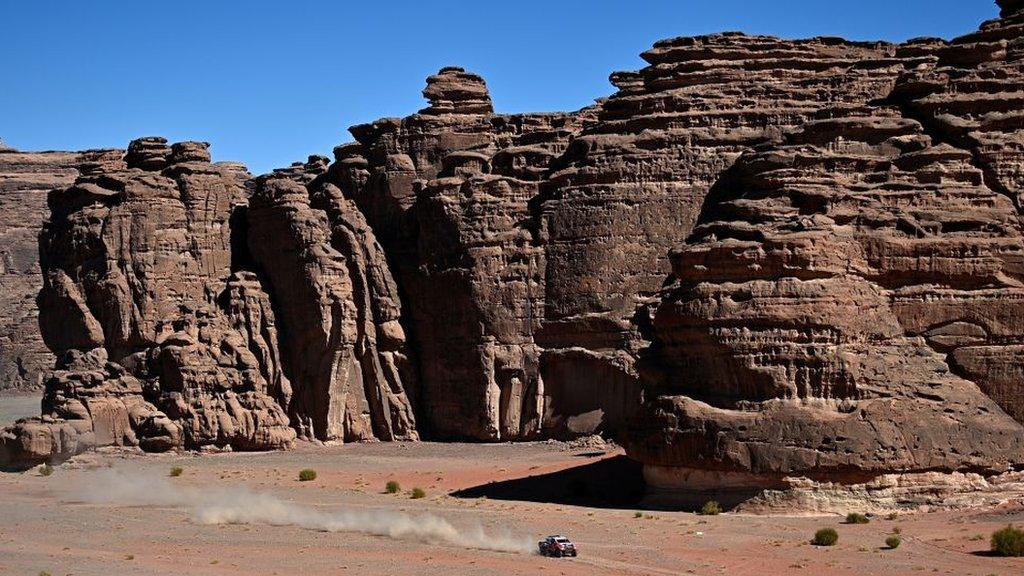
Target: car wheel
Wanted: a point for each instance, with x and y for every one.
(573, 553)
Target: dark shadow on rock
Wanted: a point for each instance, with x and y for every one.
(615, 482)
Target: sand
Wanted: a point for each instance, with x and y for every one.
(44, 526)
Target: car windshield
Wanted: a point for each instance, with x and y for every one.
(561, 540)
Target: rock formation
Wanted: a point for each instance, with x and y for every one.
(338, 306)
(761, 263)
(160, 341)
(25, 178)
(447, 191)
(847, 303)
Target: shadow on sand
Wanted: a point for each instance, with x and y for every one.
(615, 482)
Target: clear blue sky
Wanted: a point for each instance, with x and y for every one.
(268, 83)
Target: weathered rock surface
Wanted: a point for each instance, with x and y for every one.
(631, 187)
(846, 304)
(25, 179)
(448, 191)
(973, 100)
(345, 348)
(765, 263)
(160, 342)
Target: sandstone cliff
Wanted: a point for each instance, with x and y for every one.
(25, 179)
(160, 341)
(847, 302)
(758, 259)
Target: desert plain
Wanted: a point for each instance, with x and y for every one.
(60, 525)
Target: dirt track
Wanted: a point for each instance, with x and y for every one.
(42, 529)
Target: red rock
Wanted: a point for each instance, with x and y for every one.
(344, 349)
(25, 178)
(760, 259)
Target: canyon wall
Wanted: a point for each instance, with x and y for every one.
(757, 259)
(848, 301)
(25, 179)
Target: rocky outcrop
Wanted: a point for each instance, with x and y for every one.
(345, 349)
(763, 263)
(448, 191)
(160, 342)
(972, 102)
(25, 179)
(632, 187)
(846, 304)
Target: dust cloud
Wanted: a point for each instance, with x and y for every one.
(240, 505)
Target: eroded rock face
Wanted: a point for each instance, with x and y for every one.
(768, 263)
(831, 283)
(972, 101)
(345, 349)
(160, 343)
(632, 186)
(448, 192)
(25, 179)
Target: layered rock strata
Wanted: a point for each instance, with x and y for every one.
(339, 310)
(447, 191)
(846, 304)
(763, 263)
(973, 100)
(160, 342)
(25, 179)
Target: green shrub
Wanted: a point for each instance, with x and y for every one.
(638, 514)
(893, 542)
(710, 508)
(392, 487)
(856, 518)
(418, 493)
(825, 537)
(307, 475)
(45, 469)
(177, 471)
(1008, 541)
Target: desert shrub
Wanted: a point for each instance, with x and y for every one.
(1008, 541)
(856, 518)
(392, 487)
(44, 573)
(710, 508)
(893, 542)
(892, 516)
(177, 471)
(638, 514)
(418, 493)
(825, 537)
(45, 469)
(307, 475)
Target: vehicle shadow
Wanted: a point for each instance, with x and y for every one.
(615, 482)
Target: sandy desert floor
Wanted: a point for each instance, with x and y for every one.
(524, 491)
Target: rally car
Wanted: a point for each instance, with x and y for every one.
(557, 546)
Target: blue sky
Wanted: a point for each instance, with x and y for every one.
(268, 83)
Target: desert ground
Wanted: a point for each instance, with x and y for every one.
(518, 492)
